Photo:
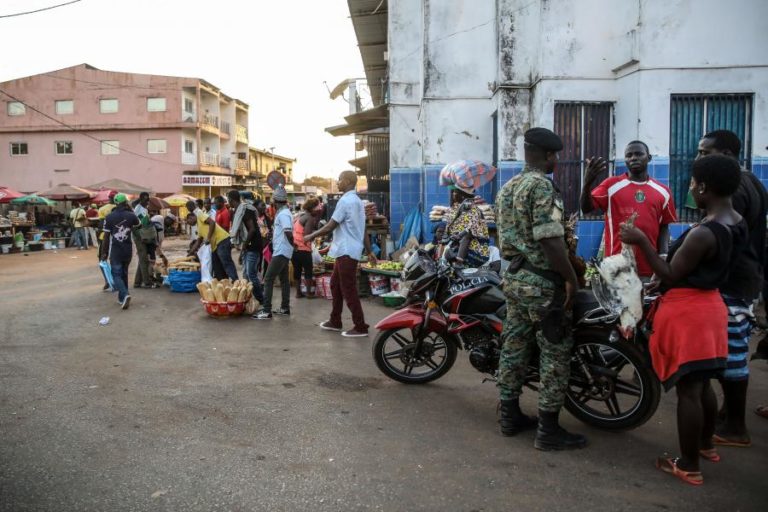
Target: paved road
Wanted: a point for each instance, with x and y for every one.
(166, 409)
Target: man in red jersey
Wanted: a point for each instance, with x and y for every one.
(621, 196)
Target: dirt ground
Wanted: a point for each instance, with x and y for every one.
(166, 409)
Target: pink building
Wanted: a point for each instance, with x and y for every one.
(81, 125)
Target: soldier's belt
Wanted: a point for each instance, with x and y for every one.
(549, 275)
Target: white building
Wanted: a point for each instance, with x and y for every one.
(466, 78)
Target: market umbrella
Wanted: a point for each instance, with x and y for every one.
(155, 203)
(467, 174)
(179, 199)
(7, 194)
(33, 199)
(66, 192)
(126, 187)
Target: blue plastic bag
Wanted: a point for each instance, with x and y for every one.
(183, 282)
(106, 269)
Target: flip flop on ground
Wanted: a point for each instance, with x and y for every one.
(669, 465)
(710, 454)
(762, 411)
(722, 440)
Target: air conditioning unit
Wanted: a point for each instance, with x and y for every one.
(242, 156)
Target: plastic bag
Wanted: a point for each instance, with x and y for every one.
(204, 255)
(106, 269)
(317, 258)
(183, 281)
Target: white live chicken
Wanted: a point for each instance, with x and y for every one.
(623, 285)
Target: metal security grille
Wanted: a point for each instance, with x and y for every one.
(378, 163)
(693, 115)
(587, 131)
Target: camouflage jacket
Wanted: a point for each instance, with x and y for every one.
(528, 209)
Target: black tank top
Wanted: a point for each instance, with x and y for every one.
(713, 272)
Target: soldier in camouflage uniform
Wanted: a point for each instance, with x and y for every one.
(539, 285)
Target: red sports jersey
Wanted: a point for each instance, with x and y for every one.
(619, 198)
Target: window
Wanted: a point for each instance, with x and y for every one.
(109, 106)
(64, 107)
(110, 147)
(19, 148)
(16, 108)
(156, 146)
(63, 147)
(693, 115)
(189, 146)
(586, 130)
(189, 105)
(155, 104)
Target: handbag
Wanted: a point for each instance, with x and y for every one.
(148, 234)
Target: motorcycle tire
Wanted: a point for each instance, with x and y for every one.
(643, 378)
(379, 348)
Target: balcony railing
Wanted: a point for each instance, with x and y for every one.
(188, 117)
(224, 128)
(225, 162)
(241, 134)
(209, 159)
(189, 159)
(211, 121)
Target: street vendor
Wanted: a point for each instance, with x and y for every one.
(210, 233)
(465, 217)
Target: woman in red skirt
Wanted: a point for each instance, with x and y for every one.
(689, 342)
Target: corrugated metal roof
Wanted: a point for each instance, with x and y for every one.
(369, 18)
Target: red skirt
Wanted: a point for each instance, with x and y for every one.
(690, 334)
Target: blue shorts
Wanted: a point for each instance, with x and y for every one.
(740, 323)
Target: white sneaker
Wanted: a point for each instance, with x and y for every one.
(326, 326)
(126, 302)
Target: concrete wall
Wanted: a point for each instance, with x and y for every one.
(452, 64)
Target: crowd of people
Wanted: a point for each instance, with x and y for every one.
(708, 280)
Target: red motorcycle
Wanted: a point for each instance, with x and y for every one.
(612, 385)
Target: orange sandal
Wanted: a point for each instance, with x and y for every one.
(710, 454)
(735, 443)
(762, 411)
(669, 465)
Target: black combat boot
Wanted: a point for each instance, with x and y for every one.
(551, 436)
(512, 419)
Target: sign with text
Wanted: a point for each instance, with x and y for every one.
(206, 181)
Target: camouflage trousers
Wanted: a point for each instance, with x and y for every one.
(529, 298)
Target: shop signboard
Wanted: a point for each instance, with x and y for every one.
(202, 180)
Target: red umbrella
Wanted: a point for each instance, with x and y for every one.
(102, 196)
(6, 194)
(66, 192)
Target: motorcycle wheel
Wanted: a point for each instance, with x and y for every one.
(393, 351)
(625, 391)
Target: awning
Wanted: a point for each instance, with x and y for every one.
(370, 119)
(369, 18)
(126, 187)
(361, 163)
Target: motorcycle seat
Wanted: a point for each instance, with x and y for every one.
(583, 303)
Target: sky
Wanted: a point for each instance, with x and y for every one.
(272, 54)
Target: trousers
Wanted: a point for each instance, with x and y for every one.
(251, 264)
(529, 298)
(120, 276)
(278, 266)
(143, 276)
(344, 289)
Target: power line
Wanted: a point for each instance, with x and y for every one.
(38, 10)
(113, 86)
(84, 133)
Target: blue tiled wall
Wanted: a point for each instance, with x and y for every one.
(590, 233)
(404, 195)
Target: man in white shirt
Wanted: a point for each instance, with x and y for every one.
(282, 251)
(348, 226)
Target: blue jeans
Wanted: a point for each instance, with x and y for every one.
(251, 270)
(224, 253)
(81, 238)
(120, 276)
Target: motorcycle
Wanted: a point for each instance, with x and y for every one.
(612, 385)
